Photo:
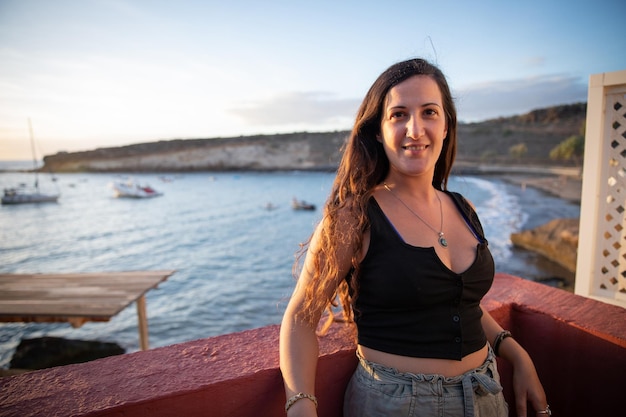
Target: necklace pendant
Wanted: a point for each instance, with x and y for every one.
(442, 240)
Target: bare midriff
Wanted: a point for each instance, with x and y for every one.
(407, 364)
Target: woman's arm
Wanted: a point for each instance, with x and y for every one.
(298, 356)
(299, 347)
(526, 384)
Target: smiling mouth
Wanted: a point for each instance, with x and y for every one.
(415, 147)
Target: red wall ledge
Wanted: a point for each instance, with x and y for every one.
(578, 344)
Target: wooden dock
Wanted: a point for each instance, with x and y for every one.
(77, 298)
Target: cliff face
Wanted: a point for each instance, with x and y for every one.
(301, 151)
(485, 142)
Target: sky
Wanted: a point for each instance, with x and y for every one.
(100, 73)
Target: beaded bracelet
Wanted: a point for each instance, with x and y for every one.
(499, 338)
(291, 401)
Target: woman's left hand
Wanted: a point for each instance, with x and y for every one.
(527, 387)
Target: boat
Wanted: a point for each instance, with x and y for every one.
(301, 205)
(23, 194)
(132, 189)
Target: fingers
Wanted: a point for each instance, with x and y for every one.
(520, 404)
(537, 398)
(540, 411)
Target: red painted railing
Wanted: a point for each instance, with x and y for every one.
(578, 345)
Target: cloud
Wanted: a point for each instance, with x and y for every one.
(299, 108)
(511, 97)
(476, 102)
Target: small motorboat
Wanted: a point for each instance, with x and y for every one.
(301, 205)
(131, 189)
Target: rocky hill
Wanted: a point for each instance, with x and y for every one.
(293, 151)
(540, 130)
(485, 142)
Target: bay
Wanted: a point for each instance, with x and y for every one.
(233, 257)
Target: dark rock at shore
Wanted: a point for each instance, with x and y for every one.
(557, 240)
(47, 352)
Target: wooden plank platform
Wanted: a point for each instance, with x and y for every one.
(78, 297)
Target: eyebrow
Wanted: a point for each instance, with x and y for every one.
(403, 106)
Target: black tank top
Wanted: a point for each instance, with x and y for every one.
(409, 303)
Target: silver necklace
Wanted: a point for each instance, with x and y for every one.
(442, 240)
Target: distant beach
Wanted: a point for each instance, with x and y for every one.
(566, 187)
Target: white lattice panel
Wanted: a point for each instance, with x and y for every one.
(612, 262)
(601, 262)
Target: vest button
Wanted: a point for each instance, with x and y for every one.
(456, 319)
(457, 339)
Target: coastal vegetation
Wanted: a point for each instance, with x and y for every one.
(518, 151)
(571, 148)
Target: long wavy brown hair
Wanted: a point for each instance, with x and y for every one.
(363, 166)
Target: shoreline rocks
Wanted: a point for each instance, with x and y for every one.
(47, 352)
(556, 240)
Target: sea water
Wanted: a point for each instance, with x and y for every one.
(232, 255)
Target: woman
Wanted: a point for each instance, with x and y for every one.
(409, 263)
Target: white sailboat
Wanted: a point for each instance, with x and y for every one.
(23, 194)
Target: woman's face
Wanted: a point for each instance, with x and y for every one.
(413, 126)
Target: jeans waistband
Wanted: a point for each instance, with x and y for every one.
(478, 381)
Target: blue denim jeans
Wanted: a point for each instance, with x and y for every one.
(375, 390)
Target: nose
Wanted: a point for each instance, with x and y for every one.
(414, 128)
